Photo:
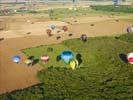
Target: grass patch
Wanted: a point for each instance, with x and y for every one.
(37, 52)
(129, 20)
(28, 11)
(127, 38)
(62, 13)
(102, 75)
(111, 8)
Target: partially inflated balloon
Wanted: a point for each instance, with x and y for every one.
(66, 56)
(73, 64)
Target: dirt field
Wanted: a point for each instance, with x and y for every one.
(105, 28)
(18, 76)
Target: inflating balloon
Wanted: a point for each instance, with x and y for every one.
(73, 64)
(16, 59)
(67, 56)
(130, 58)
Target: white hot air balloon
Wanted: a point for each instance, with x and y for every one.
(130, 58)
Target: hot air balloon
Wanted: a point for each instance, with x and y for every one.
(45, 58)
(130, 29)
(83, 37)
(16, 59)
(49, 32)
(130, 58)
(29, 62)
(74, 64)
(67, 56)
(64, 28)
(53, 26)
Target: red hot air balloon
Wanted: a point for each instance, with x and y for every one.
(83, 37)
(64, 28)
(130, 58)
(45, 58)
(49, 32)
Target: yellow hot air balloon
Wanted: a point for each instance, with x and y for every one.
(73, 64)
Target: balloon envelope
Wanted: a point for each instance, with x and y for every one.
(64, 28)
(83, 37)
(45, 58)
(73, 64)
(52, 27)
(66, 56)
(130, 58)
(16, 59)
(130, 29)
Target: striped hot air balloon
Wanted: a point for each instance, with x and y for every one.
(130, 58)
(45, 58)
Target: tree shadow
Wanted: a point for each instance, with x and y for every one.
(58, 58)
(123, 57)
(79, 58)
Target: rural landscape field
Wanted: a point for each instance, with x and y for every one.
(66, 50)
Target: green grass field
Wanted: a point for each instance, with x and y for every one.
(61, 13)
(111, 8)
(104, 73)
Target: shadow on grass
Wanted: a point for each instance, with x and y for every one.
(79, 58)
(31, 57)
(35, 60)
(123, 57)
(58, 58)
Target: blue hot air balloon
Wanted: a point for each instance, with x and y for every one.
(53, 27)
(16, 59)
(67, 56)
